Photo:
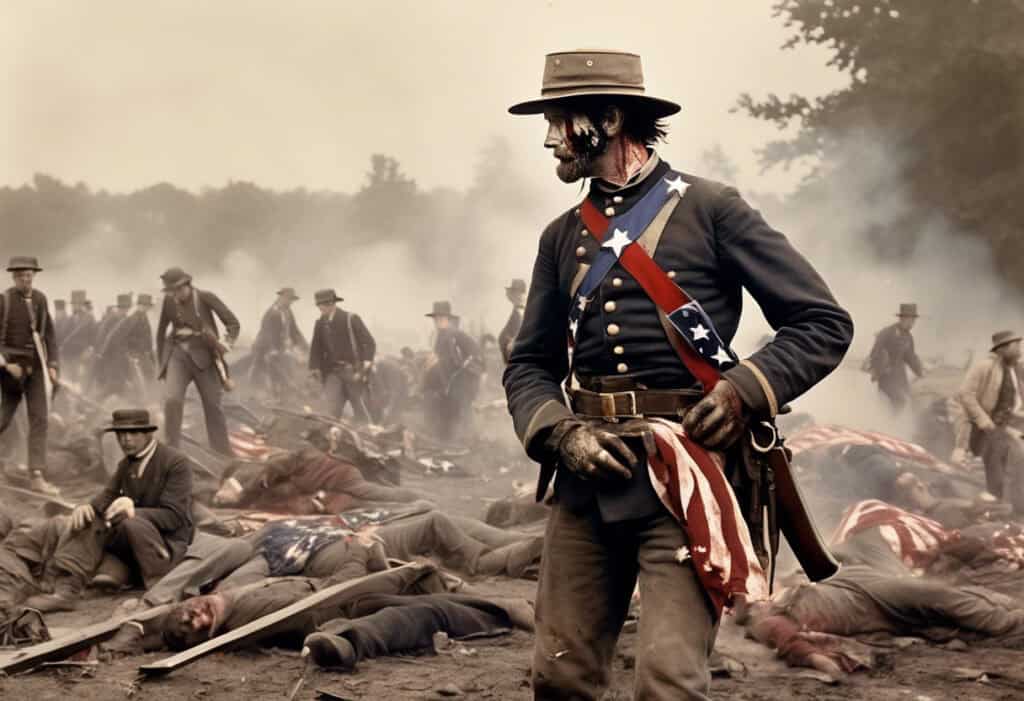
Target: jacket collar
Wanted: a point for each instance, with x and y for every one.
(620, 200)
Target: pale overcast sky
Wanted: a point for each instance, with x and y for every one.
(126, 93)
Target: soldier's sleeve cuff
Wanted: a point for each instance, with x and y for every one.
(754, 389)
(545, 418)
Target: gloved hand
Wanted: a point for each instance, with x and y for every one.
(985, 424)
(591, 452)
(717, 420)
(120, 509)
(82, 516)
(53, 374)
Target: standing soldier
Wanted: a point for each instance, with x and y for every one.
(278, 335)
(892, 354)
(129, 361)
(454, 380)
(991, 397)
(193, 352)
(341, 356)
(77, 343)
(60, 317)
(653, 400)
(111, 372)
(28, 362)
(516, 293)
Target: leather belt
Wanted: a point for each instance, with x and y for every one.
(670, 403)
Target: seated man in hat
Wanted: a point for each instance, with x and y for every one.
(892, 354)
(341, 356)
(991, 397)
(190, 349)
(28, 362)
(143, 516)
(453, 382)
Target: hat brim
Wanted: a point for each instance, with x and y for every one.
(329, 301)
(661, 108)
(147, 428)
(181, 283)
(16, 268)
(1006, 342)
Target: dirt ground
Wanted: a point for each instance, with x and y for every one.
(499, 668)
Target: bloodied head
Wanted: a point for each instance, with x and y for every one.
(194, 621)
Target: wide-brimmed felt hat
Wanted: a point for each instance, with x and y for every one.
(130, 420)
(173, 278)
(288, 292)
(516, 285)
(442, 309)
(23, 263)
(144, 300)
(124, 301)
(580, 73)
(908, 310)
(326, 296)
(1001, 338)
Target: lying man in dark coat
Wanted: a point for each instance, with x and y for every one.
(143, 516)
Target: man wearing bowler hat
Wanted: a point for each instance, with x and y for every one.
(279, 334)
(341, 356)
(991, 397)
(143, 516)
(190, 349)
(516, 294)
(28, 362)
(635, 296)
(892, 354)
(453, 382)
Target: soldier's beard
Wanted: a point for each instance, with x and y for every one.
(584, 143)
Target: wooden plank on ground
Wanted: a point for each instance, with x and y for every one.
(64, 647)
(324, 597)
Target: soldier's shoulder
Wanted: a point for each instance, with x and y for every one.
(561, 225)
(705, 189)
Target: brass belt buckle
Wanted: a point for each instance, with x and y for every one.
(607, 405)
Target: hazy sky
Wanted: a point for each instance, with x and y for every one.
(122, 94)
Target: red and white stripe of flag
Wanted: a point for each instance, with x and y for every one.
(915, 539)
(827, 436)
(247, 443)
(691, 484)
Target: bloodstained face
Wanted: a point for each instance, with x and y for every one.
(197, 619)
(575, 141)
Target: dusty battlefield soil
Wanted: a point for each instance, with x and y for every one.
(499, 668)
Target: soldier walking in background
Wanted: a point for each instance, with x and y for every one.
(453, 382)
(892, 354)
(28, 362)
(128, 358)
(60, 317)
(79, 338)
(278, 336)
(516, 293)
(111, 373)
(190, 350)
(341, 356)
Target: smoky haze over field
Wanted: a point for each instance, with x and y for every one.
(297, 98)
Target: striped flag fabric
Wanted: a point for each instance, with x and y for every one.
(915, 539)
(827, 436)
(691, 484)
(246, 443)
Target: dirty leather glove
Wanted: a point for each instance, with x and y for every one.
(717, 420)
(591, 452)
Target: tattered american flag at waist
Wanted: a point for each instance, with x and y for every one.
(816, 437)
(246, 443)
(915, 539)
(691, 484)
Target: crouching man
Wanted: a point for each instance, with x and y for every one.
(144, 515)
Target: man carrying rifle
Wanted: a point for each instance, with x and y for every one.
(193, 352)
(28, 362)
(645, 452)
(453, 382)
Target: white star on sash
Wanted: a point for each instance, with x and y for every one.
(618, 241)
(677, 185)
(584, 301)
(721, 357)
(699, 332)
(573, 325)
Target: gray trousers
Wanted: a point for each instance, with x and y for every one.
(33, 389)
(208, 559)
(589, 570)
(340, 388)
(181, 371)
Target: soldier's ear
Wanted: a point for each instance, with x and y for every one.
(612, 121)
